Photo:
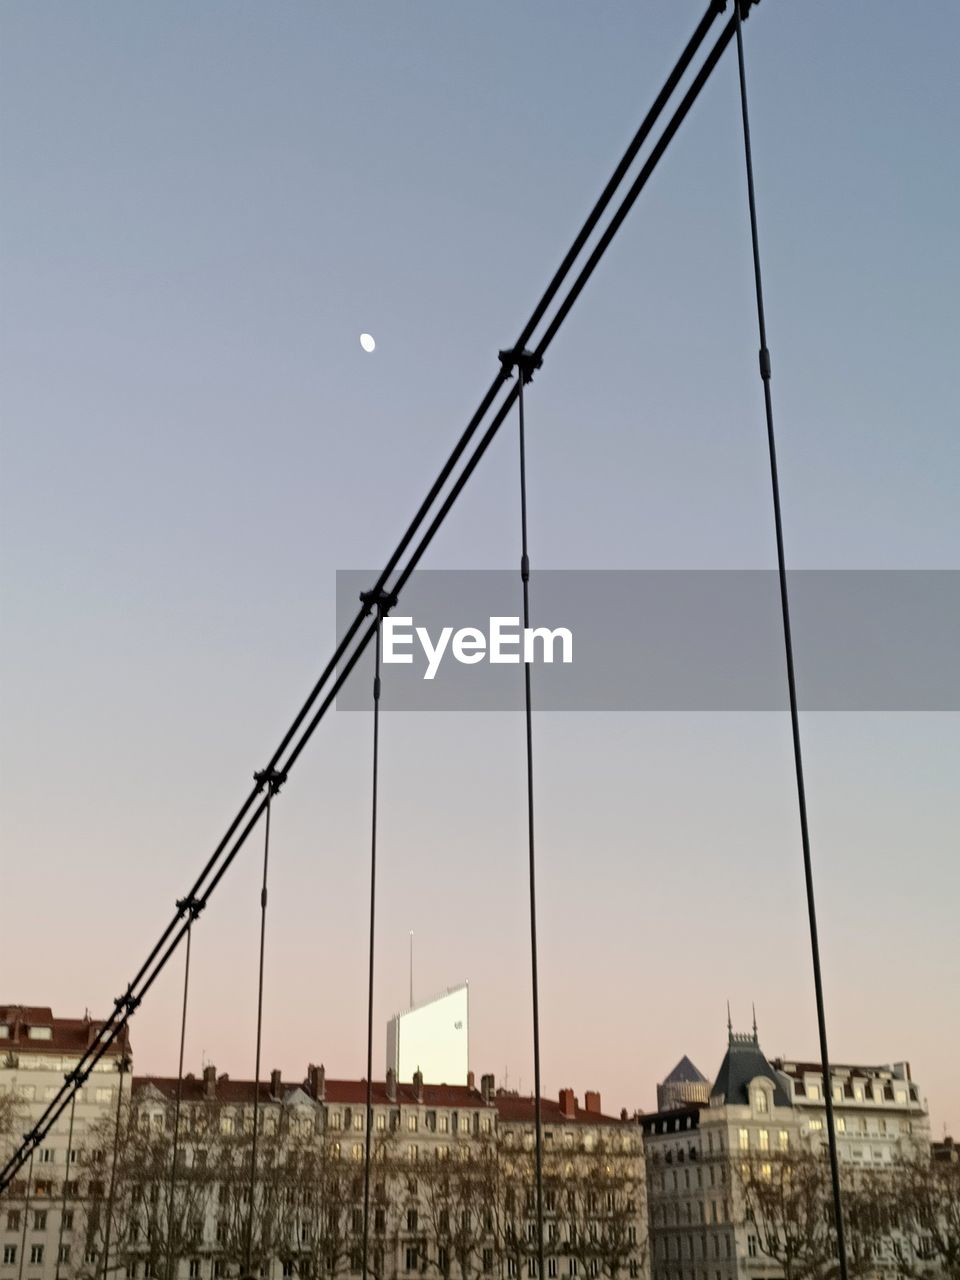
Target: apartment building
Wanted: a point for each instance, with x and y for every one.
(703, 1158)
(452, 1185)
(40, 1214)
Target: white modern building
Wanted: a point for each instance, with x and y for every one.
(433, 1039)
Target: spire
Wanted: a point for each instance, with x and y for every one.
(729, 1025)
(756, 1039)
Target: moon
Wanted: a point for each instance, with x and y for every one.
(367, 342)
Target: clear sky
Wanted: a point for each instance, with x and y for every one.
(202, 208)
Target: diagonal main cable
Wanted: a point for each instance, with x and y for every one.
(354, 640)
(765, 373)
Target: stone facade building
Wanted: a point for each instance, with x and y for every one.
(706, 1162)
(452, 1184)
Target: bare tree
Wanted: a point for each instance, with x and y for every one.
(928, 1200)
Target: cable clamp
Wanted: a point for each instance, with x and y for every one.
(519, 358)
(189, 906)
(382, 600)
(127, 1001)
(77, 1076)
(765, 366)
(275, 778)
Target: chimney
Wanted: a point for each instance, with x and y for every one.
(568, 1104)
(317, 1082)
(471, 1081)
(487, 1088)
(275, 1085)
(623, 1114)
(418, 1084)
(591, 1102)
(210, 1082)
(391, 1085)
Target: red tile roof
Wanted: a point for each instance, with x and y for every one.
(516, 1110)
(336, 1091)
(67, 1035)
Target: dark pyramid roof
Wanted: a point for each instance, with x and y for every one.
(685, 1073)
(742, 1063)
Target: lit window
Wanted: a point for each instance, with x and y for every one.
(336, 1120)
(465, 1124)
(104, 1095)
(783, 1140)
(412, 1122)
(381, 1121)
(443, 1124)
(358, 1151)
(760, 1101)
(841, 1124)
(744, 1140)
(764, 1140)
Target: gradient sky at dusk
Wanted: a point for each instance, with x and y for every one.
(202, 208)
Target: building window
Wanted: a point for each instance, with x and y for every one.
(412, 1152)
(412, 1122)
(287, 1270)
(46, 1155)
(9, 1254)
(443, 1124)
(411, 1258)
(64, 1255)
(36, 1253)
(194, 1269)
(40, 1220)
(358, 1121)
(358, 1151)
(411, 1219)
(13, 1220)
(465, 1126)
(511, 1268)
(783, 1140)
(381, 1121)
(841, 1124)
(764, 1140)
(104, 1095)
(487, 1261)
(336, 1120)
(760, 1101)
(752, 1246)
(532, 1268)
(744, 1140)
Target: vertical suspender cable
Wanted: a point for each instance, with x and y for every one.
(526, 363)
(189, 905)
(765, 371)
(26, 1215)
(66, 1185)
(382, 603)
(122, 1065)
(273, 781)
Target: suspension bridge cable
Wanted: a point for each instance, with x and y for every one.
(525, 364)
(189, 906)
(765, 374)
(26, 1215)
(122, 1065)
(382, 603)
(343, 660)
(66, 1186)
(273, 781)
